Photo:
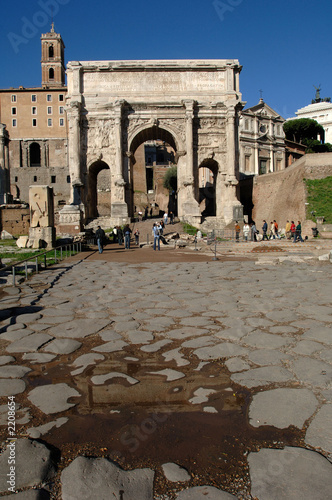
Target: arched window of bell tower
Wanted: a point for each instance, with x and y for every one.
(51, 52)
(51, 74)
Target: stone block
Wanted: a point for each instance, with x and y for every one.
(22, 241)
(41, 206)
(41, 237)
(6, 236)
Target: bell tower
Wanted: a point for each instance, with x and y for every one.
(53, 59)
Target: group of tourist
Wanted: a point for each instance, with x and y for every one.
(269, 232)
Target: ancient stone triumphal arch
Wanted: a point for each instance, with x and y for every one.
(115, 106)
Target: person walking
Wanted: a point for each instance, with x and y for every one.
(156, 230)
(293, 229)
(272, 232)
(298, 232)
(246, 231)
(276, 229)
(120, 236)
(171, 217)
(136, 234)
(237, 232)
(165, 218)
(264, 229)
(100, 236)
(127, 233)
(253, 231)
(288, 230)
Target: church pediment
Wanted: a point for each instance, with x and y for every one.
(263, 110)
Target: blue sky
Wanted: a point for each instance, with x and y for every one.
(284, 46)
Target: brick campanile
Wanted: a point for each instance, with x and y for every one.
(53, 59)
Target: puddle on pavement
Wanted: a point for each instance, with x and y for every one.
(153, 422)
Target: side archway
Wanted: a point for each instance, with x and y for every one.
(207, 182)
(99, 190)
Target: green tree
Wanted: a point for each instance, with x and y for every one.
(170, 180)
(303, 130)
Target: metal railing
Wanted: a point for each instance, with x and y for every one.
(59, 254)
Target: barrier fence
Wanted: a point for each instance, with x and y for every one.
(40, 260)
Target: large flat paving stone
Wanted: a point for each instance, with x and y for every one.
(13, 371)
(290, 474)
(36, 432)
(84, 477)
(79, 328)
(11, 386)
(102, 379)
(111, 346)
(264, 357)
(169, 374)
(282, 407)
(62, 346)
(52, 398)
(28, 318)
(204, 493)
(319, 433)
(264, 340)
(185, 332)
(31, 343)
(82, 362)
(262, 376)
(4, 360)
(13, 335)
(174, 473)
(38, 357)
(314, 372)
(319, 333)
(223, 350)
(33, 464)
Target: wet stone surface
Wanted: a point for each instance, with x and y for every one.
(166, 377)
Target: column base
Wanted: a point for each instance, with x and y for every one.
(70, 220)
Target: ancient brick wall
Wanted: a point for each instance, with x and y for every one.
(282, 195)
(15, 219)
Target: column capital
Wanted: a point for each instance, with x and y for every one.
(189, 105)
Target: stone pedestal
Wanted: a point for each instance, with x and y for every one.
(233, 213)
(41, 206)
(70, 220)
(41, 237)
(119, 213)
(42, 230)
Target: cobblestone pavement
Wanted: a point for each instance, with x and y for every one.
(187, 378)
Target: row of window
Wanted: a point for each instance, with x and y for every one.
(53, 179)
(34, 122)
(49, 97)
(248, 124)
(34, 110)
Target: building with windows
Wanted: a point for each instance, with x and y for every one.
(320, 110)
(262, 140)
(36, 128)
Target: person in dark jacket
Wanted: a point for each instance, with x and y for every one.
(127, 233)
(100, 237)
(298, 232)
(264, 229)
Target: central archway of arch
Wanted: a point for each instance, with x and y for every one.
(153, 152)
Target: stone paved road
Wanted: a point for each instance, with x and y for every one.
(200, 380)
